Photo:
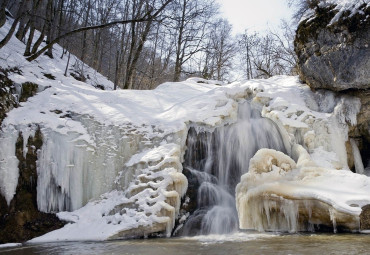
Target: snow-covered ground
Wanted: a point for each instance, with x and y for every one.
(110, 163)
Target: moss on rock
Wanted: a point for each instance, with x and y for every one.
(29, 89)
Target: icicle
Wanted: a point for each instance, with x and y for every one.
(26, 133)
(9, 172)
(333, 219)
(359, 166)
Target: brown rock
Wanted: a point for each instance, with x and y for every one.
(365, 218)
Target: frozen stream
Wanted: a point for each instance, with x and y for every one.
(238, 243)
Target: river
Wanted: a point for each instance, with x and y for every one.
(237, 243)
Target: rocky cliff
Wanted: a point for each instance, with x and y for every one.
(333, 51)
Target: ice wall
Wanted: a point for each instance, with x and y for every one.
(74, 168)
(8, 162)
(148, 206)
(75, 164)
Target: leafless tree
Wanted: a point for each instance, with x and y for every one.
(190, 19)
(220, 51)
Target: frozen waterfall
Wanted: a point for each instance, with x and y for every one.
(214, 162)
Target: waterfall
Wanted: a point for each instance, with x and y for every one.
(214, 162)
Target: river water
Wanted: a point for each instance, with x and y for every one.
(237, 243)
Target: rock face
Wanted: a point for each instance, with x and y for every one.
(7, 99)
(334, 55)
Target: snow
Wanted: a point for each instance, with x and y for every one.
(110, 163)
(342, 6)
(7, 245)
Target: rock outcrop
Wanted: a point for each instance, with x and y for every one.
(334, 55)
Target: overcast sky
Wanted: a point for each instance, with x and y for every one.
(254, 15)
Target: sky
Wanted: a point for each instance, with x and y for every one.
(254, 15)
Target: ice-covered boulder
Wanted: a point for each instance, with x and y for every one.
(332, 45)
(279, 194)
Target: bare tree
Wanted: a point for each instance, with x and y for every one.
(265, 55)
(219, 51)
(190, 28)
(150, 15)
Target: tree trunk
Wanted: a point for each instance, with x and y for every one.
(6, 39)
(49, 30)
(84, 36)
(132, 72)
(23, 21)
(27, 51)
(178, 63)
(39, 41)
(66, 71)
(3, 13)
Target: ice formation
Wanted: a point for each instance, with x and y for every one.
(318, 121)
(8, 160)
(148, 205)
(281, 195)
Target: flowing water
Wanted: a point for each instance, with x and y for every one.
(237, 243)
(214, 162)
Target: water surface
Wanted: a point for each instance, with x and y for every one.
(238, 243)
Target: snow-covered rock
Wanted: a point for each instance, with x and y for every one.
(279, 194)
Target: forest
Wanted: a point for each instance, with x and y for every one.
(139, 44)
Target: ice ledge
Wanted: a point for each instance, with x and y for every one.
(281, 195)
